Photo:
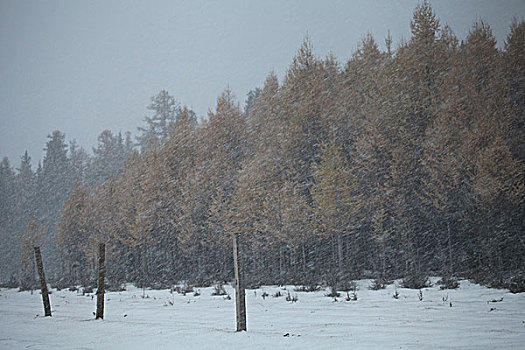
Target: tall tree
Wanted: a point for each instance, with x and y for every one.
(72, 237)
(250, 99)
(335, 201)
(8, 247)
(109, 156)
(80, 162)
(514, 60)
(33, 236)
(165, 110)
(54, 184)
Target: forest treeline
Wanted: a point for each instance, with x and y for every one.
(402, 162)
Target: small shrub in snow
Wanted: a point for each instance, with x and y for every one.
(377, 284)
(351, 297)
(12, 283)
(417, 281)
(349, 286)
(218, 289)
(395, 295)
(308, 288)
(115, 287)
(61, 284)
(157, 285)
(495, 300)
(513, 281)
(291, 298)
(27, 284)
(185, 288)
(517, 284)
(448, 283)
(333, 292)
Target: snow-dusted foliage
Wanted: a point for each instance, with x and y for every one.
(406, 163)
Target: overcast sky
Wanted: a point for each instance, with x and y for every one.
(85, 66)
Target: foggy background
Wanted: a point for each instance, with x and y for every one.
(82, 67)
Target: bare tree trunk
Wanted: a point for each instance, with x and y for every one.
(33, 277)
(303, 250)
(383, 260)
(43, 284)
(450, 261)
(144, 266)
(281, 262)
(339, 253)
(101, 281)
(240, 302)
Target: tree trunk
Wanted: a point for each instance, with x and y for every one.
(281, 262)
(101, 280)
(240, 302)
(32, 280)
(144, 266)
(303, 250)
(43, 284)
(169, 255)
(450, 261)
(383, 260)
(339, 254)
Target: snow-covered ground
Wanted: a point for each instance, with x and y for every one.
(170, 321)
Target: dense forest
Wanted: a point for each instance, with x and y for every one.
(407, 162)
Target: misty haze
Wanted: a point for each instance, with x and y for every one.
(297, 174)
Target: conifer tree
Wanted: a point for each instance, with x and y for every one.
(8, 229)
(514, 58)
(73, 236)
(335, 200)
(165, 109)
(33, 236)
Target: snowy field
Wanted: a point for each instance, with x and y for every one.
(170, 321)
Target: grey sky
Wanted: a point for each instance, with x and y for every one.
(85, 66)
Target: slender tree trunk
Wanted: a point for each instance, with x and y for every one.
(32, 280)
(240, 301)
(101, 280)
(418, 261)
(65, 272)
(170, 256)
(451, 265)
(281, 259)
(43, 284)
(93, 273)
(262, 264)
(304, 261)
(333, 268)
(339, 253)
(291, 262)
(143, 267)
(383, 260)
